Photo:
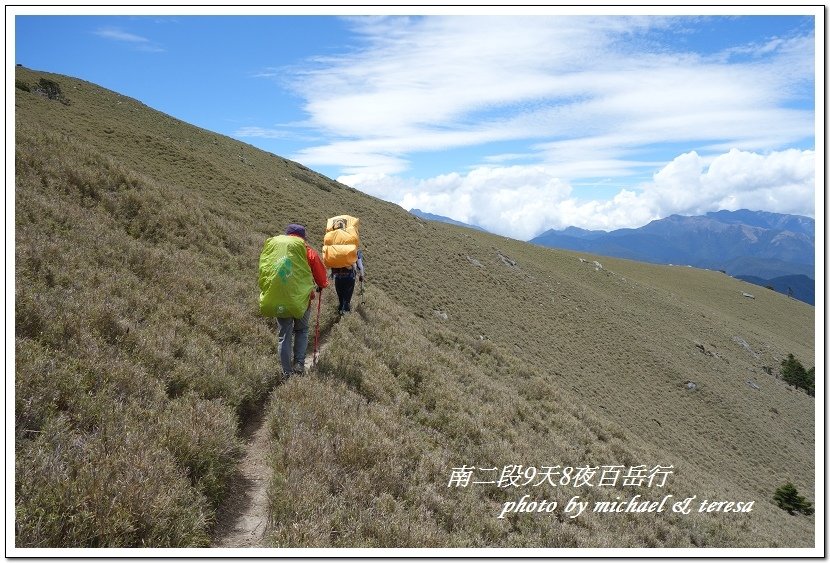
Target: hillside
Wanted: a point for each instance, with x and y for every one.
(797, 287)
(139, 351)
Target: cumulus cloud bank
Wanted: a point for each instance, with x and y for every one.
(524, 201)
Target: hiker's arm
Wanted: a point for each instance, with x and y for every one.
(318, 269)
(360, 271)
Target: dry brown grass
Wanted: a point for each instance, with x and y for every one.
(139, 348)
(365, 449)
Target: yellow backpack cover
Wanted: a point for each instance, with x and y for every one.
(341, 241)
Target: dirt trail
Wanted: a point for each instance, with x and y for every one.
(242, 519)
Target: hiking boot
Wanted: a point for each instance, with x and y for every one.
(299, 369)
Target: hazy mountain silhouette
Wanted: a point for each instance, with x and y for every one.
(756, 244)
(443, 219)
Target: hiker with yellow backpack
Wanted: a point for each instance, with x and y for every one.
(290, 271)
(341, 253)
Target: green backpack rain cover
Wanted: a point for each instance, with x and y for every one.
(285, 280)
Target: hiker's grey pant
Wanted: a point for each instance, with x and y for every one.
(293, 340)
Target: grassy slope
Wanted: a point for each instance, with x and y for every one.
(136, 240)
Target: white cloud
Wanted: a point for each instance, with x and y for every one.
(353, 158)
(120, 35)
(783, 182)
(139, 42)
(523, 201)
(574, 102)
(583, 89)
(504, 200)
(268, 73)
(261, 132)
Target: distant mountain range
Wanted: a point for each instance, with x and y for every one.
(757, 246)
(442, 219)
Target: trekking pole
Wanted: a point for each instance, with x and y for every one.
(317, 330)
(362, 292)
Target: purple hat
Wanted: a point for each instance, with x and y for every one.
(294, 229)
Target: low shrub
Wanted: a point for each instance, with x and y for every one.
(51, 90)
(115, 486)
(793, 372)
(787, 498)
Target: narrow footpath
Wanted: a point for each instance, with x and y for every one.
(242, 518)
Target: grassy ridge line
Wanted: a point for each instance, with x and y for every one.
(255, 191)
(364, 451)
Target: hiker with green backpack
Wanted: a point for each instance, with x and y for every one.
(289, 273)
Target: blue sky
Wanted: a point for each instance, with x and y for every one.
(515, 121)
